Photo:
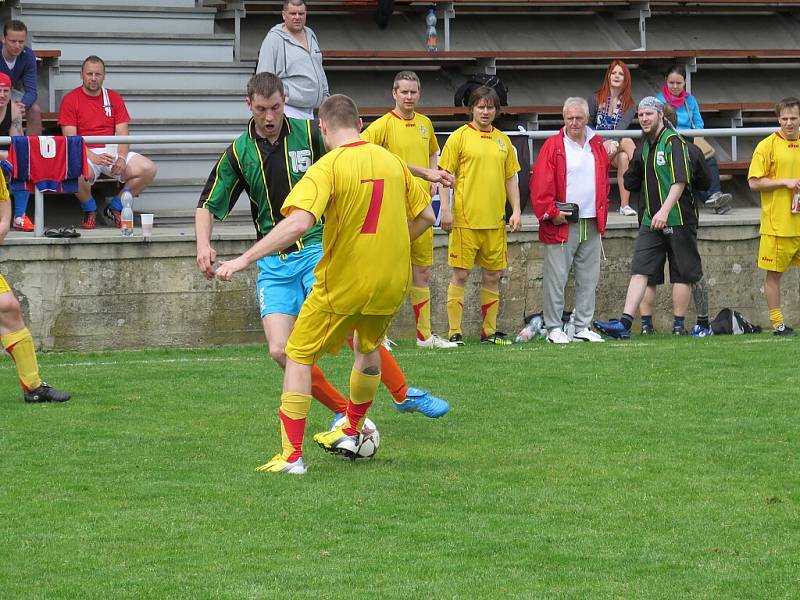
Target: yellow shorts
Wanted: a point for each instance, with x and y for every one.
(422, 249)
(487, 247)
(778, 253)
(317, 332)
(4, 287)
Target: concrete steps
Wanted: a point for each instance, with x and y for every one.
(118, 18)
(145, 46)
(190, 75)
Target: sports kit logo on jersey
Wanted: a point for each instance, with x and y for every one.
(767, 259)
(660, 159)
(423, 131)
(502, 145)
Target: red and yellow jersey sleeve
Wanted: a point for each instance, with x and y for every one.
(482, 162)
(367, 195)
(777, 158)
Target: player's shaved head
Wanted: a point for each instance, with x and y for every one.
(340, 112)
(264, 84)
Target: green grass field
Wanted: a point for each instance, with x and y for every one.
(664, 468)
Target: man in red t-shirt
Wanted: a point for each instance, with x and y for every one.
(90, 110)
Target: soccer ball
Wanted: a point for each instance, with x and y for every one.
(370, 439)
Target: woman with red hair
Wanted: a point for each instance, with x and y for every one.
(612, 107)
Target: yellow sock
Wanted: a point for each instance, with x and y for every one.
(421, 301)
(776, 317)
(455, 308)
(490, 303)
(19, 345)
(363, 388)
(292, 414)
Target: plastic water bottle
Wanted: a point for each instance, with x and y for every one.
(432, 44)
(532, 329)
(127, 212)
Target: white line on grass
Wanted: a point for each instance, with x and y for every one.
(159, 361)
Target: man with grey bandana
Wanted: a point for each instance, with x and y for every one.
(669, 220)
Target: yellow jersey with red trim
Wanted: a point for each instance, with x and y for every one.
(367, 195)
(775, 157)
(411, 139)
(481, 162)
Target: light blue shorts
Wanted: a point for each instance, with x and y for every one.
(285, 281)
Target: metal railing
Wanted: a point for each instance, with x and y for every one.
(729, 132)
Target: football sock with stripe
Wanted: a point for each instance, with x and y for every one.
(362, 391)
(292, 414)
(455, 307)
(392, 375)
(490, 303)
(19, 345)
(421, 302)
(647, 320)
(323, 390)
(678, 322)
(776, 317)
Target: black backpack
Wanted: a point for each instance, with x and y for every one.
(729, 322)
(461, 97)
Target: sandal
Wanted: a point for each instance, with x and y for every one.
(54, 233)
(69, 232)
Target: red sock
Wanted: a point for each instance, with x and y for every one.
(295, 430)
(323, 390)
(355, 414)
(392, 376)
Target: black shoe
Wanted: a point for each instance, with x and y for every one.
(647, 330)
(457, 338)
(783, 331)
(498, 338)
(45, 393)
(677, 330)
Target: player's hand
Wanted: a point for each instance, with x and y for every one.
(659, 220)
(118, 166)
(515, 221)
(611, 147)
(793, 184)
(561, 218)
(206, 257)
(445, 218)
(227, 268)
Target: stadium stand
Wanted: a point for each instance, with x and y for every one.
(181, 63)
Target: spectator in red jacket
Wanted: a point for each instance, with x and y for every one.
(572, 167)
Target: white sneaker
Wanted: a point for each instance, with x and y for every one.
(627, 211)
(435, 342)
(387, 343)
(587, 335)
(557, 336)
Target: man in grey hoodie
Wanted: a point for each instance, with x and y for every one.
(292, 52)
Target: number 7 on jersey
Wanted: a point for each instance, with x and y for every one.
(371, 221)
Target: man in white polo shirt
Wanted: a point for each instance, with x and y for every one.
(572, 167)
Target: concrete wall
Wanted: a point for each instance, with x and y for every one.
(107, 292)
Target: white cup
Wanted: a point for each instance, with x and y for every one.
(147, 224)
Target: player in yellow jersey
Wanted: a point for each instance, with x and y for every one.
(485, 165)
(15, 337)
(775, 172)
(373, 207)
(410, 136)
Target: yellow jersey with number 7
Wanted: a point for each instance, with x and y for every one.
(367, 195)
